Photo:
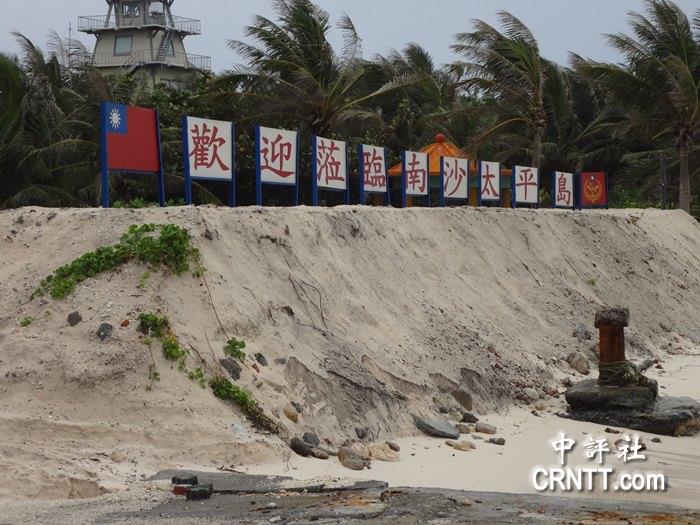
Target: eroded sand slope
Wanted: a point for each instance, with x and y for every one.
(375, 311)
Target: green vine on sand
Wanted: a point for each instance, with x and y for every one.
(167, 246)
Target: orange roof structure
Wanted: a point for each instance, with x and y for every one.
(440, 148)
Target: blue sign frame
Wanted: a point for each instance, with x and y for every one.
(105, 171)
(405, 185)
(513, 198)
(361, 172)
(574, 200)
(258, 180)
(314, 174)
(443, 197)
(186, 165)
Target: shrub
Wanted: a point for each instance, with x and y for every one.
(234, 348)
(172, 349)
(153, 325)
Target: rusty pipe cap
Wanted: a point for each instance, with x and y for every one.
(612, 316)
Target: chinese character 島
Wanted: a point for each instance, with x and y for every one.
(563, 194)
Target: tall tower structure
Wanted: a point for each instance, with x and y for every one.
(144, 35)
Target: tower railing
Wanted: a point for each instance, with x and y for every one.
(139, 58)
(90, 24)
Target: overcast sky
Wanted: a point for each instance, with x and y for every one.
(559, 25)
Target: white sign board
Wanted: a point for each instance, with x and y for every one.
(277, 156)
(331, 164)
(563, 189)
(415, 166)
(527, 185)
(455, 177)
(374, 169)
(490, 181)
(210, 148)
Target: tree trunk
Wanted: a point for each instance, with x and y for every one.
(537, 148)
(684, 179)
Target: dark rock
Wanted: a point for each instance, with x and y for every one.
(232, 366)
(468, 417)
(669, 416)
(104, 331)
(464, 398)
(484, 428)
(281, 361)
(617, 316)
(611, 431)
(496, 441)
(578, 362)
(297, 406)
(261, 359)
(361, 433)
(590, 395)
(393, 446)
(656, 440)
(319, 453)
(582, 333)
(351, 460)
(436, 427)
(300, 447)
(74, 318)
(311, 438)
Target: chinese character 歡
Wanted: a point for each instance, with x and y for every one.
(206, 147)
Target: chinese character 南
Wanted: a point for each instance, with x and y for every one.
(526, 179)
(563, 445)
(416, 177)
(327, 164)
(374, 169)
(596, 447)
(275, 154)
(455, 175)
(563, 194)
(487, 179)
(206, 147)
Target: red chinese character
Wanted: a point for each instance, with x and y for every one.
(456, 173)
(526, 179)
(276, 151)
(327, 164)
(416, 176)
(374, 169)
(206, 147)
(487, 180)
(563, 194)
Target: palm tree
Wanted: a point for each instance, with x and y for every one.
(294, 75)
(657, 89)
(506, 68)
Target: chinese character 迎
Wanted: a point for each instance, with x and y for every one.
(274, 156)
(596, 447)
(563, 445)
(206, 147)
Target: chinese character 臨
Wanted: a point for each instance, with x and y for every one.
(374, 169)
(563, 445)
(206, 147)
(596, 447)
(275, 154)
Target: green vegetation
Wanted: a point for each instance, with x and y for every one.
(234, 348)
(171, 248)
(154, 325)
(198, 375)
(172, 349)
(224, 389)
(499, 99)
(26, 321)
(592, 281)
(139, 202)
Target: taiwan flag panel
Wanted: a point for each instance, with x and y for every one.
(594, 190)
(131, 138)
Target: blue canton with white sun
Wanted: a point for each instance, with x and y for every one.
(116, 118)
